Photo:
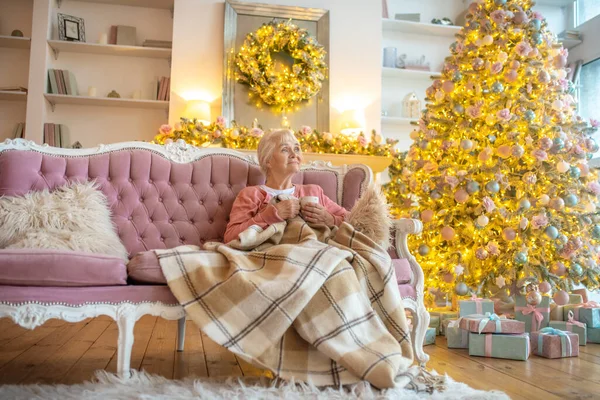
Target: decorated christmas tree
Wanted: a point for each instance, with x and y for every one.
(498, 171)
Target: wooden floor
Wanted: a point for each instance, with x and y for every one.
(59, 352)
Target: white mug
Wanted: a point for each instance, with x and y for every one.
(309, 199)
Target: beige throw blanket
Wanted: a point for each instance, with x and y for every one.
(305, 302)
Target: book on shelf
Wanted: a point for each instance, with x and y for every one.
(19, 132)
(13, 89)
(56, 135)
(62, 82)
(163, 92)
(126, 35)
(112, 38)
(163, 44)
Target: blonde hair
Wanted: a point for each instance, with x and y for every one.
(269, 143)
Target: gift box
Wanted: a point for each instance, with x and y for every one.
(554, 343)
(500, 345)
(588, 313)
(429, 336)
(491, 323)
(434, 322)
(535, 317)
(593, 335)
(556, 312)
(446, 323)
(457, 338)
(575, 299)
(583, 293)
(444, 316)
(475, 305)
(571, 325)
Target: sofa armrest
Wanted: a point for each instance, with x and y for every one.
(404, 227)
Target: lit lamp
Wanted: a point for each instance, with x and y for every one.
(198, 109)
(350, 123)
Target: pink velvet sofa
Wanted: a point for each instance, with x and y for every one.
(160, 197)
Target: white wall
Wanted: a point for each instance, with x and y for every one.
(588, 50)
(354, 59)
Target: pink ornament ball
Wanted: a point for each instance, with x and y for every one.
(427, 216)
(558, 268)
(504, 151)
(585, 169)
(561, 298)
(515, 64)
(557, 203)
(461, 196)
(511, 75)
(509, 234)
(534, 298)
(560, 61)
(448, 277)
(448, 86)
(520, 17)
(545, 287)
(448, 233)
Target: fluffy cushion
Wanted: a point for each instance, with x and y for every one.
(73, 217)
(371, 216)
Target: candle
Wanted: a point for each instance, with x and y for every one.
(103, 38)
(92, 91)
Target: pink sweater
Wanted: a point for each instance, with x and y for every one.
(251, 207)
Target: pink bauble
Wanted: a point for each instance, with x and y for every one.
(558, 268)
(585, 169)
(534, 298)
(461, 196)
(427, 216)
(557, 203)
(515, 64)
(509, 234)
(504, 151)
(560, 61)
(484, 155)
(437, 84)
(545, 287)
(520, 17)
(447, 233)
(561, 298)
(511, 75)
(448, 86)
(448, 277)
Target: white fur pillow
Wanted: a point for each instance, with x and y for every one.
(73, 217)
(371, 216)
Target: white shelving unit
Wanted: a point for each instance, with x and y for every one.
(400, 121)
(54, 99)
(558, 3)
(13, 42)
(419, 28)
(7, 95)
(130, 70)
(162, 4)
(59, 46)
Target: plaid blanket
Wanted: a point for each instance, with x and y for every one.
(304, 302)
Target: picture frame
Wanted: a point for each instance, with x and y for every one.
(71, 28)
(244, 17)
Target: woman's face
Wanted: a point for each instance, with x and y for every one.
(286, 159)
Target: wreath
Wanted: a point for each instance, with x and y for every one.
(282, 89)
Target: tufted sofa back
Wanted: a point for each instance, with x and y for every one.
(159, 201)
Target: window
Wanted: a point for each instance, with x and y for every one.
(589, 106)
(586, 10)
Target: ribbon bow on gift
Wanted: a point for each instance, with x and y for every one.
(538, 317)
(487, 318)
(565, 340)
(572, 321)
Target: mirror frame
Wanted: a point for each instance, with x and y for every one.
(232, 10)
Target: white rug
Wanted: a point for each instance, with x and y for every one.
(144, 386)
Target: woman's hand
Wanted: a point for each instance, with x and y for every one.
(317, 214)
(287, 209)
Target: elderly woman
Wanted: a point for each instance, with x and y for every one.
(280, 157)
